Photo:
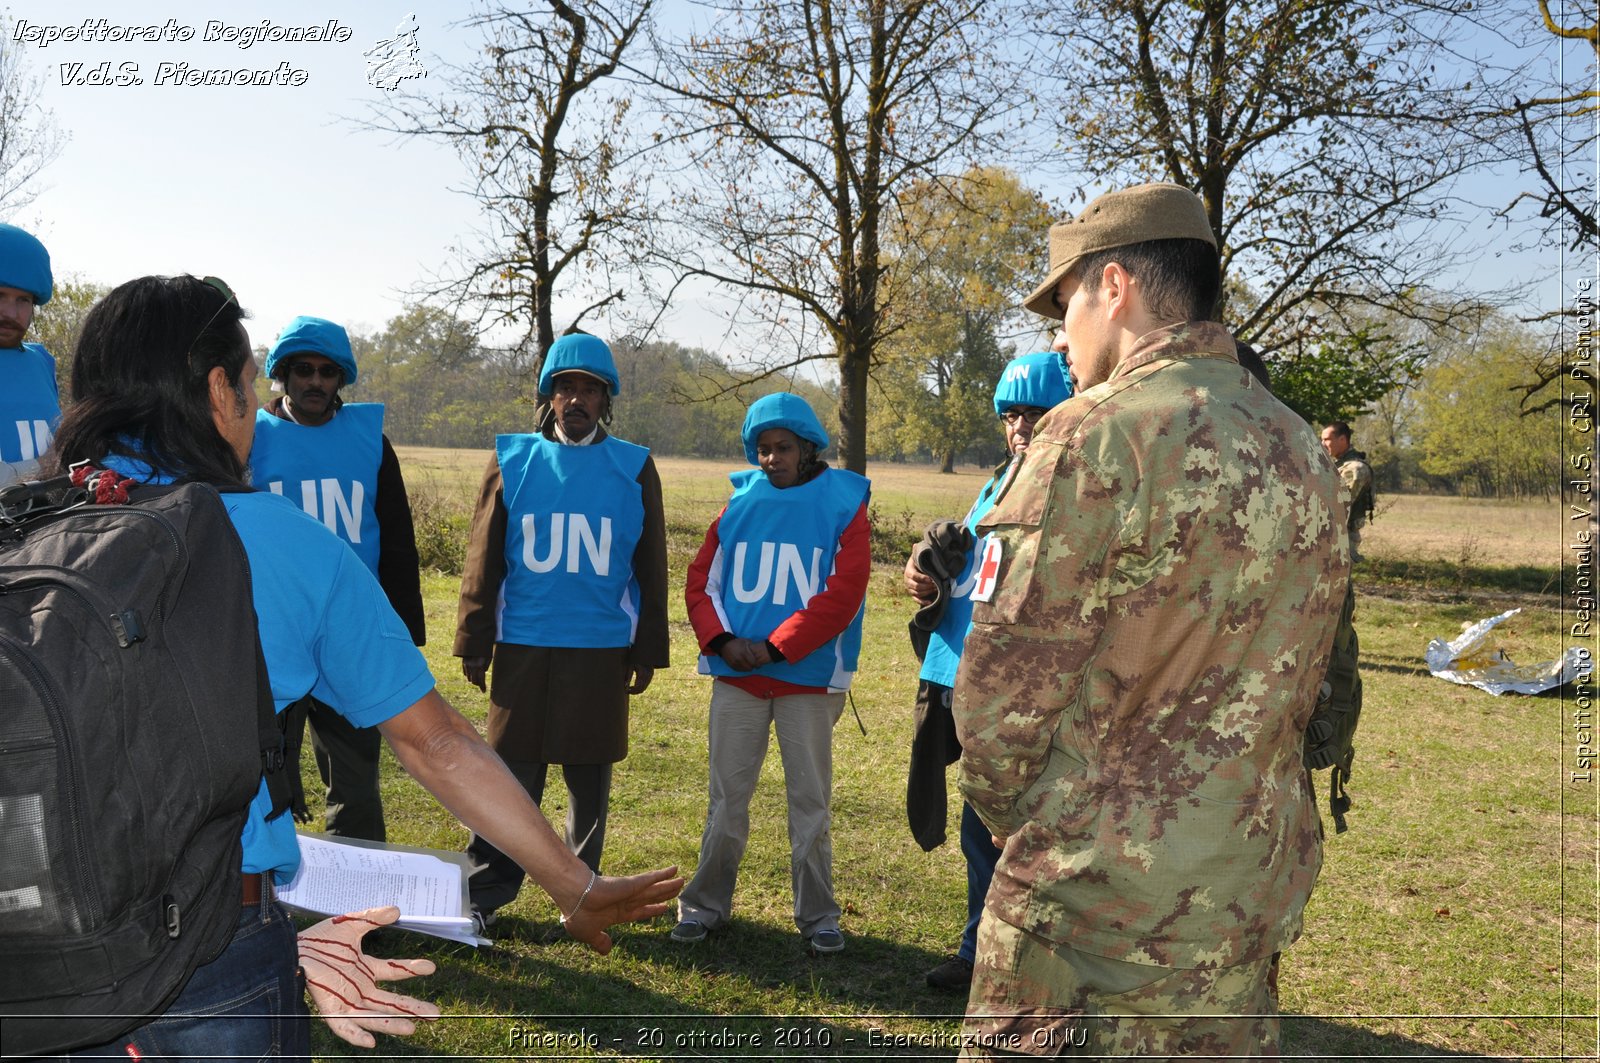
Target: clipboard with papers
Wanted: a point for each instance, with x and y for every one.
(429, 886)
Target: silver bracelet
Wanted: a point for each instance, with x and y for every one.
(593, 876)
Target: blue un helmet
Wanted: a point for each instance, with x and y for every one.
(780, 410)
(25, 264)
(580, 352)
(1037, 379)
(313, 335)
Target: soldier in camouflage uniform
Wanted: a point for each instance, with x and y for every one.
(1329, 746)
(1356, 477)
(1135, 687)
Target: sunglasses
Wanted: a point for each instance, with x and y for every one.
(305, 371)
(1031, 414)
(221, 286)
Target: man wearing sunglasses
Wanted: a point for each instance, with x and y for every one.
(163, 382)
(1133, 694)
(332, 459)
(29, 405)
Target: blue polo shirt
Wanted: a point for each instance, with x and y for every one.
(326, 629)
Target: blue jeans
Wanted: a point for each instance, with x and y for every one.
(977, 845)
(248, 1003)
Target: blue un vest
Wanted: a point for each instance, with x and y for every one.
(943, 655)
(330, 470)
(574, 516)
(777, 549)
(29, 404)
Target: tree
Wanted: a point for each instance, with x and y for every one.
(29, 138)
(1557, 137)
(59, 322)
(964, 257)
(424, 360)
(1555, 144)
(1339, 377)
(544, 140)
(806, 121)
(1323, 137)
(1471, 430)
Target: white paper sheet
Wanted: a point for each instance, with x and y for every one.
(339, 875)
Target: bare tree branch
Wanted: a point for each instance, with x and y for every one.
(810, 118)
(29, 137)
(552, 159)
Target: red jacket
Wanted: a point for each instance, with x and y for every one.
(828, 612)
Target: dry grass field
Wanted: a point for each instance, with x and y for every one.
(1406, 527)
(1470, 530)
(1456, 919)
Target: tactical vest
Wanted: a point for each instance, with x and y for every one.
(943, 655)
(29, 405)
(329, 470)
(574, 516)
(776, 550)
(1361, 506)
(1331, 731)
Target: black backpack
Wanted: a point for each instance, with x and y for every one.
(136, 723)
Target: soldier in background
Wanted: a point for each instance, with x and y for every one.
(1134, 691)
(1355, 475)
(1328, 743)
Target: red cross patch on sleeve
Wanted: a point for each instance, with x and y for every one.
(988, 570)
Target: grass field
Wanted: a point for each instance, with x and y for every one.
(1456, 918)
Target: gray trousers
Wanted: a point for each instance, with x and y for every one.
(740, 724)
(495, 879)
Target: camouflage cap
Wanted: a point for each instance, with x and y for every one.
(1130, 216)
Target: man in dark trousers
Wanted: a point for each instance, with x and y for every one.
(565, 593)
(332, 459)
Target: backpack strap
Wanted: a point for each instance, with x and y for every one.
(279, 771)
(281, 776)
(292, 722)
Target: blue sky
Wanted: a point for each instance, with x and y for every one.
(276, 190)
(270, 188)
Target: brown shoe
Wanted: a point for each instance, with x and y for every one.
(954, 974)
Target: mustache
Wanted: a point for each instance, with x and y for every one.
(6, 322)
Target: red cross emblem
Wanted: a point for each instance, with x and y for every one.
(988, 569)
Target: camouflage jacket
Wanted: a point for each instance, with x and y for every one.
(1356, 477)
(1131, 701)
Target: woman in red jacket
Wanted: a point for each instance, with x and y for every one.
(776, 596)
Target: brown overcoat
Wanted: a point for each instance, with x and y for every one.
(560, 705)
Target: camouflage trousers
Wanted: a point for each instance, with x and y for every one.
(1032, 997)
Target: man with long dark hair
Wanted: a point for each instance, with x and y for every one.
(163, 391)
